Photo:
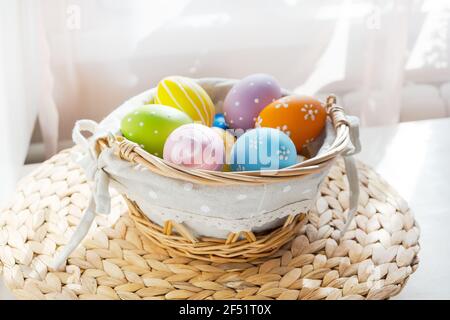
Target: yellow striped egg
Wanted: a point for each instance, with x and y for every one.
(186, 95)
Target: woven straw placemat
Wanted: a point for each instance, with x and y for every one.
(373, 261)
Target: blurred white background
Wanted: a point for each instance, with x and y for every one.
(388, 61)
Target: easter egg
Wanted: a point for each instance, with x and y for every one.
(219, 121)
(195, 146)
(228, 141)
(263, 149)
(247, 98)
(302, 118)
(187, 96)
(150, 125)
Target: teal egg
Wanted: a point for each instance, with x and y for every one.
(150, 125)
(263, 149)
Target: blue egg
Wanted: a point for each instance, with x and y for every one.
(219, 121)
(263, 149)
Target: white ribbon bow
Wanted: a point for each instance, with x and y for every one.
(101, 200)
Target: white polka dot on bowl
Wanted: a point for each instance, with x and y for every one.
(241, 197)
(205, 209)
(152, 194)
(188, 186)
(287, 189)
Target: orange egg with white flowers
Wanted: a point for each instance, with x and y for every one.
(302, 118)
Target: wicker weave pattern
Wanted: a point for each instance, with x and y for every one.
(232, 249)
(374, 260)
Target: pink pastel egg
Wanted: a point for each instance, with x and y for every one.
(247, 98)
(195, 146)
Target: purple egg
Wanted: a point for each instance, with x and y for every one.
(248, 97)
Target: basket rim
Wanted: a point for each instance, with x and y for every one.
(132, 152)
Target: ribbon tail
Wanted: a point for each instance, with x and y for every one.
(101, 193)
(77, 237)
(353, 181)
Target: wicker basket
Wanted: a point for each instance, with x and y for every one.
(190, 238)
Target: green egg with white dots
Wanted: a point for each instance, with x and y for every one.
(150, 125)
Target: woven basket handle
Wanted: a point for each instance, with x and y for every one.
(339, 118)
(336, 112)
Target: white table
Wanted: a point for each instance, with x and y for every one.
(414, 157)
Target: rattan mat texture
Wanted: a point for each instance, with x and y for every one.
(373, 260)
